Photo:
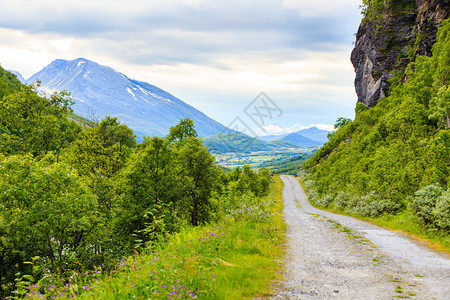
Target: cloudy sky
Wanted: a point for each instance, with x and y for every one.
(216, 55)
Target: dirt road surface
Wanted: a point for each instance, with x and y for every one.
(332, 256)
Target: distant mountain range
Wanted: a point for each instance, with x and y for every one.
(99, 90)
(301, 140)
(242, 143)
(305, 138)
(315, 134)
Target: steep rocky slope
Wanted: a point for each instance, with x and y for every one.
(391, 34)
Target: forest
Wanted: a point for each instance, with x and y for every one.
(393, 161)
(79, 196)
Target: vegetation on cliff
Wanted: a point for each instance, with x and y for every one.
(391, 35)
(394, 158)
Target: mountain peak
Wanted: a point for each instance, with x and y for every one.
(100, 90)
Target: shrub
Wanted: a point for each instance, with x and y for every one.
(325, 201)
(312, 195)
(442, 211)
(372, 205)
(342, 200)
(423, 204)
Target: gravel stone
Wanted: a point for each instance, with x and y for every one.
(366, 262)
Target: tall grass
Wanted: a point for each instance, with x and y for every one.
(236, 258)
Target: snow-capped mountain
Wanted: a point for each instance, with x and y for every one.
(99, 90)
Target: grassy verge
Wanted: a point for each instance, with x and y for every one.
(234, 259)
(403, 222)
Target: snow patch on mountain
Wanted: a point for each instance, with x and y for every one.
(99, 91)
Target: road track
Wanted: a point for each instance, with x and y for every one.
(331, 256)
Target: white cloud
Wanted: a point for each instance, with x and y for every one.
(197, 3)
(216, 55)
(308, 8)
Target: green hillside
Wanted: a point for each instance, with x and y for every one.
(289, 166)
(282, 144)
(8, 83)
(394, 159)
(242, 143)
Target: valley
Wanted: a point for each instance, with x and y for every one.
(258, 159)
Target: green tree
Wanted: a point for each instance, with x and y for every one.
(103, 149)
(341, 121)
(440, 106)
(98, 154)
(33, 124)
(151, 188)
(200, 176)
(46, 211)
(182, 130)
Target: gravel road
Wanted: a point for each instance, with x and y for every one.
(332, 256)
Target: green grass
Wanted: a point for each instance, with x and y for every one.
(237, 258)
(403, 222)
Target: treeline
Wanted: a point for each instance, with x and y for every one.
(289, 166)
(394, 157)
(72, 198)
(242, 143)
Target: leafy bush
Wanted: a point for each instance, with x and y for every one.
(431, 205)
(324, 201)
(343, 200)
(46, 211)
(442, 211)
(424, 202)
(371, 205)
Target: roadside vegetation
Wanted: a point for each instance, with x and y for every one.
(232, 258)
(392, 163)
(85, 211)
(289, 166)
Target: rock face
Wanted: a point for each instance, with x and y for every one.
(389, 41)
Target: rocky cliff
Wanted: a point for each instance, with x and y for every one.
(392, 33)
